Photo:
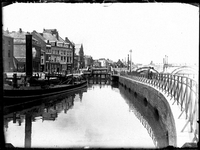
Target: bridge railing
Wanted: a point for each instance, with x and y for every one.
(182, 89)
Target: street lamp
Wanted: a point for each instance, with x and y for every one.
(130, 60)
(128, 63)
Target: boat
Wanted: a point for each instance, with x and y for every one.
(24, 94)
(33, 88)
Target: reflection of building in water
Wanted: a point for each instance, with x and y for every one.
(15, 117)
(80, 95)
(49, 114)
(145, 113)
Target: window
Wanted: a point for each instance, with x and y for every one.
(70, 59)
(8, 53)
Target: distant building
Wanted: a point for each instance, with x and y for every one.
(96, 63)
(103, 62)
(79, 57)
(8, 64)
(70, 54)
(20, 51)
(88, 61)
(109, 62)
(119, 64)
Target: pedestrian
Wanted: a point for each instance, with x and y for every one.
(148, 73)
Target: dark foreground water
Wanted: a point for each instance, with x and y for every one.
(97, 116)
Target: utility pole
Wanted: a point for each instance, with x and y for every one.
(130, 60)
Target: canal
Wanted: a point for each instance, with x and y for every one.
(101, 115)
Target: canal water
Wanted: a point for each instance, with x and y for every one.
(100, 115)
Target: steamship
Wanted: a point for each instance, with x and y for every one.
(34, 89)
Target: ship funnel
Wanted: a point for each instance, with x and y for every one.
(29, 56)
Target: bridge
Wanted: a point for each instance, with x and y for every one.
(180, 89)
(98, 73)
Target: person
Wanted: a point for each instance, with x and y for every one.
(15, 81)
(148, 73)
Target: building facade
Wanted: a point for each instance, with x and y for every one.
(44, 50)
(79, 56)
(88, 61)
(70, 55)
(61, 52)
(20, 51)
(103, 62)
(96, 63)
(8, 64)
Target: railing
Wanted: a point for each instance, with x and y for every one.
(182, 89)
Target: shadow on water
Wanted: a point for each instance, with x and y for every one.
(147, 115)
(50, 100)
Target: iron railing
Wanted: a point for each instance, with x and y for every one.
(183, 90)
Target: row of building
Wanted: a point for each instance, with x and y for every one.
(50, 52)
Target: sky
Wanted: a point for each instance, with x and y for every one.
(150, 30)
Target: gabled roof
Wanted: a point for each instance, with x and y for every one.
(39, 35)
(6, 33)
(61, 40)
(19, 34)
(68, 41)
(49, 36)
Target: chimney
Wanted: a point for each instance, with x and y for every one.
(20, 30)
(7, 31)
(29, 55)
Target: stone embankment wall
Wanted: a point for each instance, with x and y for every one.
(159, 104)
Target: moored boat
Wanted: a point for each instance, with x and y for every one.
(17, 96)
(29, 86)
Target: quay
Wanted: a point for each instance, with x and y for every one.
(174, 99)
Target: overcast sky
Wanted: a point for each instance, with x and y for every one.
(150, 30)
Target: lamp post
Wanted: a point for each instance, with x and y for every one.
(128, 63)
(130, 60)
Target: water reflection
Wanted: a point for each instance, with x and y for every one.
(45, 112)
(96, 117)
(147, 116)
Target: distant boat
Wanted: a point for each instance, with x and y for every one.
(16, 96)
